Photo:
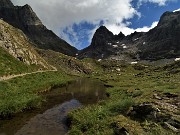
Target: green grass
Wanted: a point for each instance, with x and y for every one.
(133, 86)
(22, 93)
(9, 65)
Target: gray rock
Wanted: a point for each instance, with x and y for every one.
(24, 18)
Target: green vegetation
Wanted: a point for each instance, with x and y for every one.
(65, 63)
(131, 86)
(22, 93)
(9, 65)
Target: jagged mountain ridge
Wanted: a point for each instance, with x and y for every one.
(25, 19)
(104, 44)
(161, 42)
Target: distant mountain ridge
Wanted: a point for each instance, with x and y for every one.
(25, 19)
(161, 42)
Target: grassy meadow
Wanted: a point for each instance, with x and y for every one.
(21, 93)
(130, 86)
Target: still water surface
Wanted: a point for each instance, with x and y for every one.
(50, 120)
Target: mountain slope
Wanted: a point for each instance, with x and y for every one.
(25, 19)
(163, 41)
(159, 43)
(65, 63)
(17, 54)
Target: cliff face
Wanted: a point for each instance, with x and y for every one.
(102, 44)
(163, 41)
(25, 19)
(14, 41)
(106, 45)
(159, 43)
(6, 3)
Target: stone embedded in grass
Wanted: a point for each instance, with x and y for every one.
(171, 127)
(170, 95)
(156, 96)
(142, 111)
(120, 131)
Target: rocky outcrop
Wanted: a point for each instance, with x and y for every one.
(6, 3)
(101, 36)
(16, 44)
(159, 43)
(65, 63)
(163, 41)
(104, 43)
(25, 19)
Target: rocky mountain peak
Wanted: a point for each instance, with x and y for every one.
(24, 18)
(169, 18)
(102, 30)
(101, 35)
(6, 3)
(29, 16)
(159, 43)
(120, 36)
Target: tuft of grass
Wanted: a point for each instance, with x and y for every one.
(22, 93)
(131, 86)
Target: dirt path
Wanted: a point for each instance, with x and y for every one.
(4, 78)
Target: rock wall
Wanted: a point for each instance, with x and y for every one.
(17, 44)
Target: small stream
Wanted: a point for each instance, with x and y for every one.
(51, 118)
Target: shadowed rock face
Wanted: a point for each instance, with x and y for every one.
(101, 36)
(6, 3)
(25, 19)
(161, 42)
(100, 45)
(105, 44)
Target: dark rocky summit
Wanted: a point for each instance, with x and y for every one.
(99, 46)
(25, 19)
(102, 44)
(159, 43)
(163, 41)
(6, 3)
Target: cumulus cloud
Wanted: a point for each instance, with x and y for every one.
(159, 2)
(126, 30)
(176, 10)
(61, 15)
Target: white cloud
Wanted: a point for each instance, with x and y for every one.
(62, 13)
(59, 14)
(159, 2)
(176, 10)
(126, 30)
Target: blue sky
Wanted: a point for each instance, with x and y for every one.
(76, 20)
(151, 12)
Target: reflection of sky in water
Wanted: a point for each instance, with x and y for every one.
(85, 90)
(82, 91)
(84, 86)
(51, 122)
